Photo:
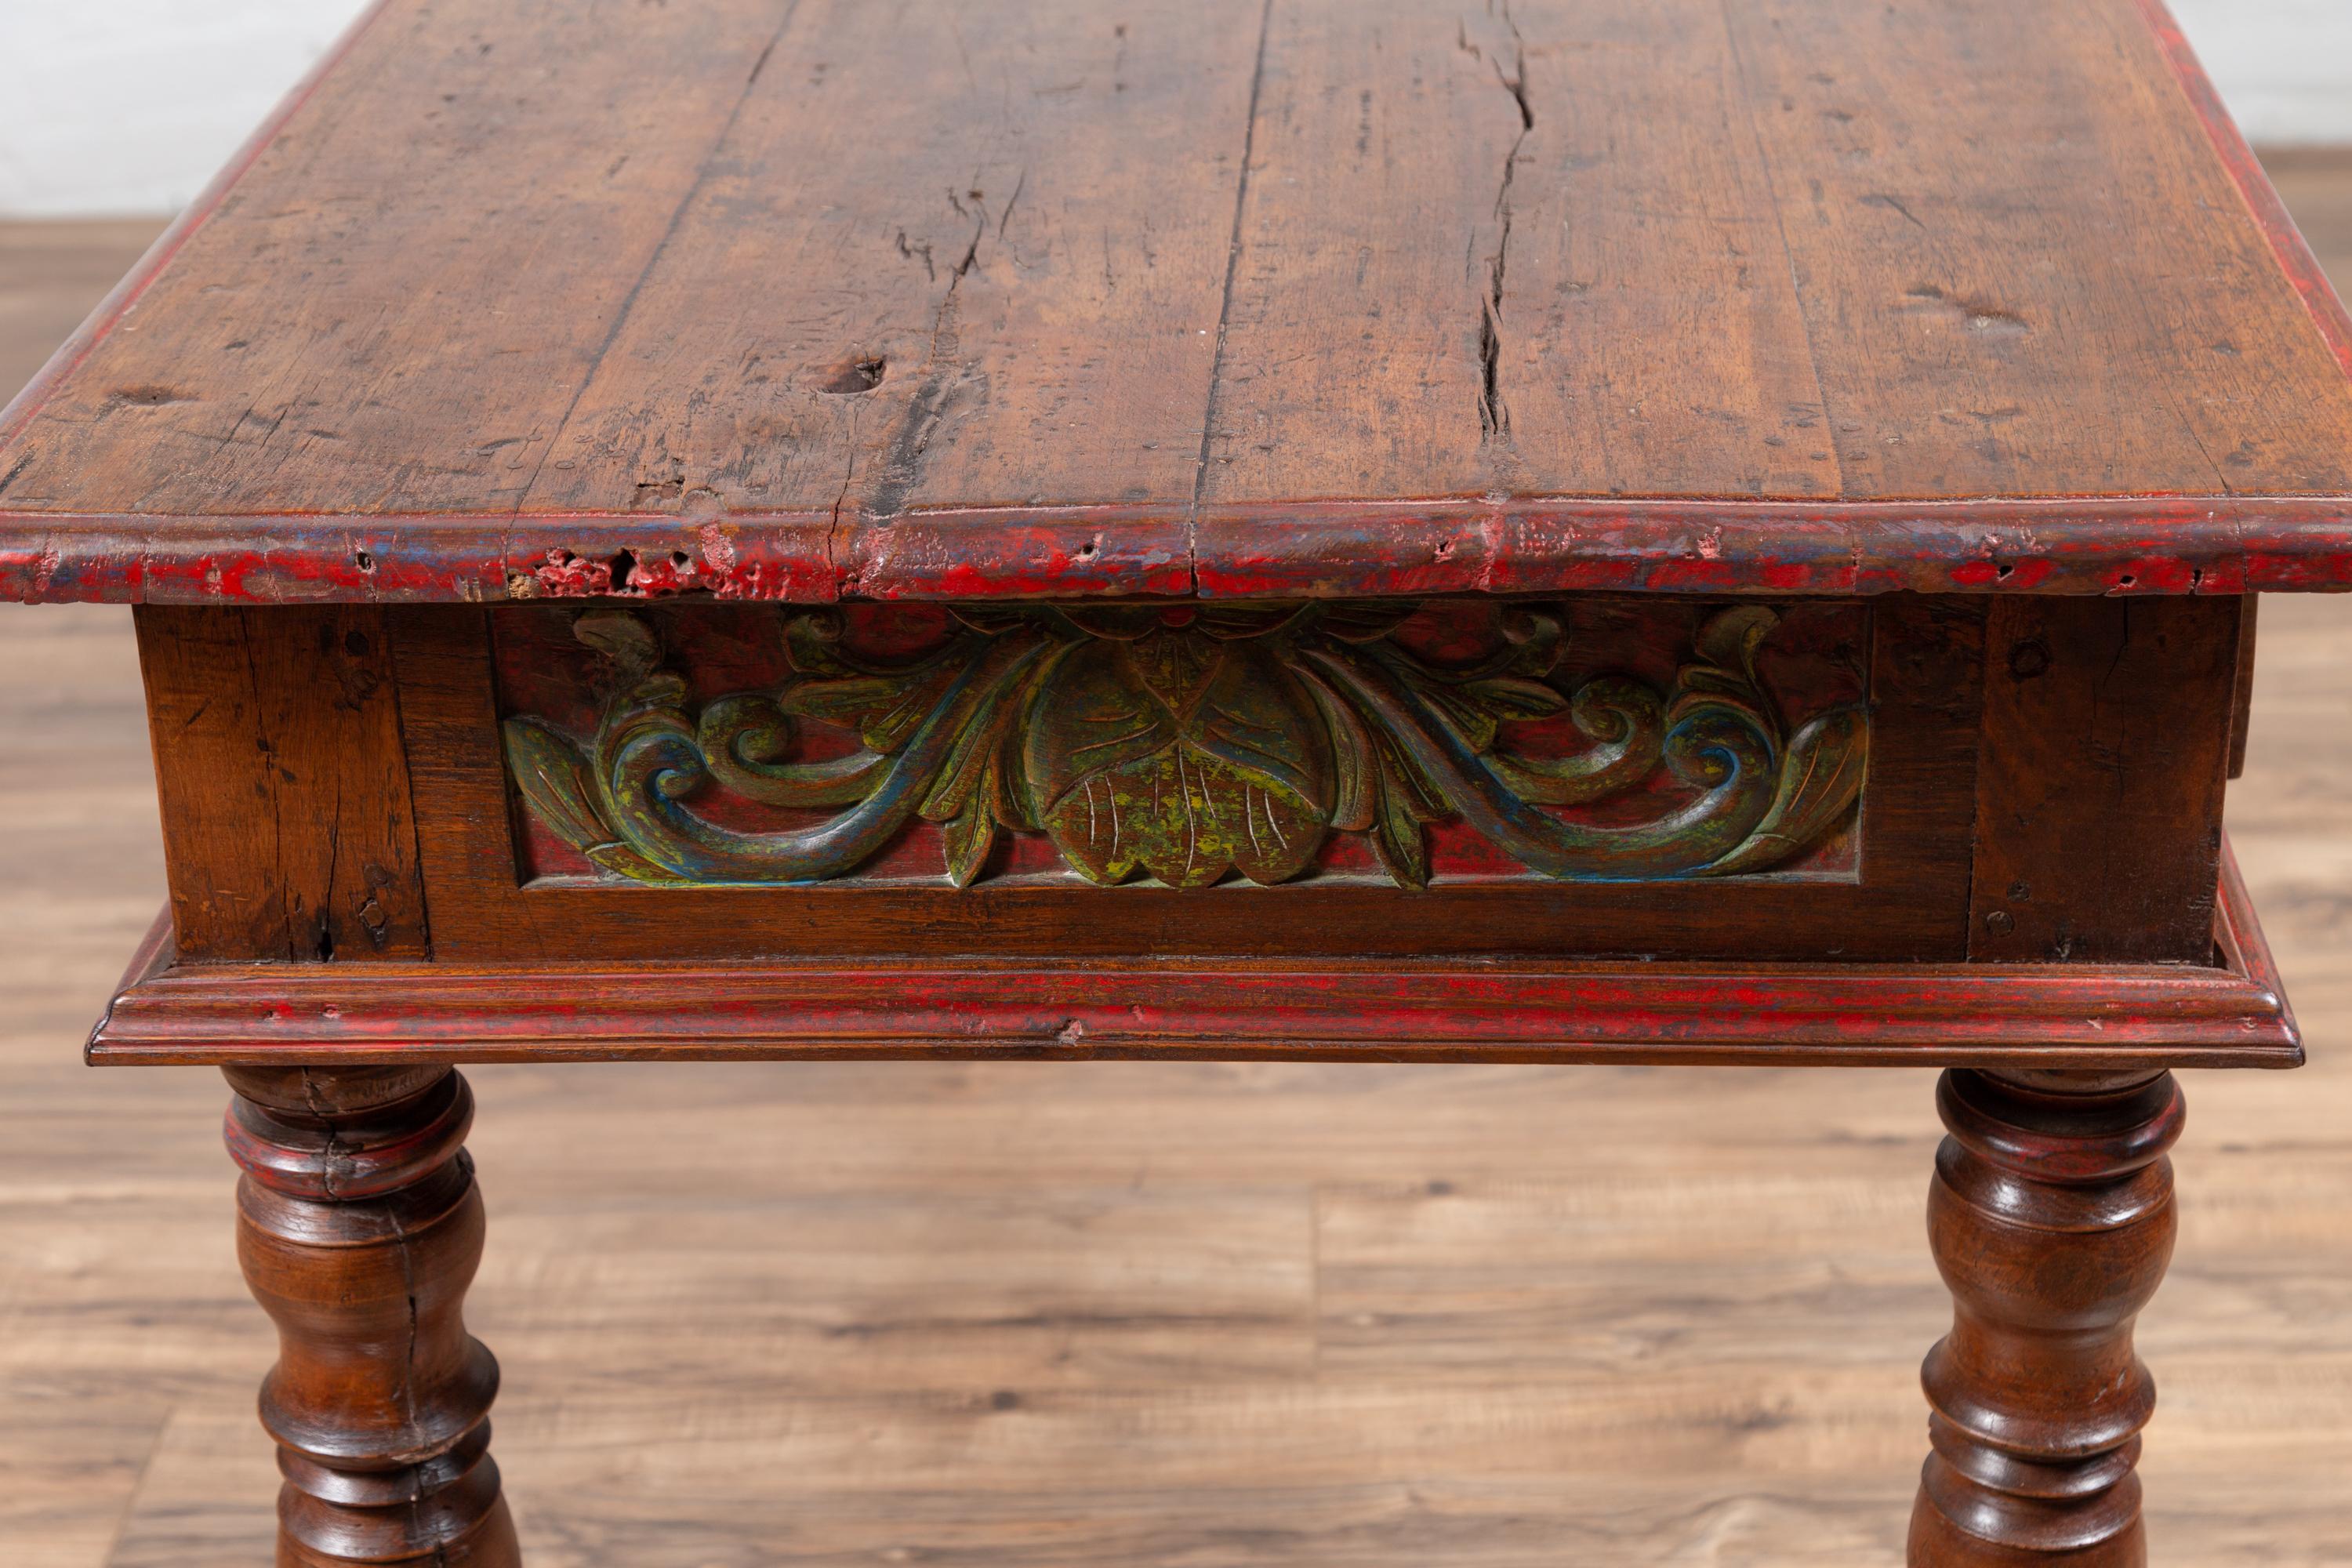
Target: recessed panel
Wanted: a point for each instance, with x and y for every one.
(1401, 743)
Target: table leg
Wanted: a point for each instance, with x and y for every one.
(2051, 1220)
(359, 1228)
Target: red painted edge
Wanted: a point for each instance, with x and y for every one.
(2103, 544)
(2244, 948)
(2262, 199)
(1387, 1010)
(2113, 545)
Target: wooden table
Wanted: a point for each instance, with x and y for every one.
(1654, 531)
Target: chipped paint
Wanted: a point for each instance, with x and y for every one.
(1317, 549)
(1277, 548)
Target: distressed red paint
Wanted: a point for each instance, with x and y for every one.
(2152, 545)
(2080, 1015)
(2140, 544)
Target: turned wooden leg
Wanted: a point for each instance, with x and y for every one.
(2051, 1220)
(360, 1226)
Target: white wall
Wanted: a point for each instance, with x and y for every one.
(2285, 66)
(128, 106)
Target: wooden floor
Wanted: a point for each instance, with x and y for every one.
(1118, 1315)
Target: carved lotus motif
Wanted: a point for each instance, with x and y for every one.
(1185, 743)
(1181, 754)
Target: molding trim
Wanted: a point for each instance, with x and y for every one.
(1949, 1015)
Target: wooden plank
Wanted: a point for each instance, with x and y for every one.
(1962, 238)
(2306, 270)
(2242, 698)
(1651, 337)
(971, 258)
(393, 308)
(767, 342)
(1614, 314)
(278, 755)
(2105, 741)
(1349, 353)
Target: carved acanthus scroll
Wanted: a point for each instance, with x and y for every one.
(1190, 741)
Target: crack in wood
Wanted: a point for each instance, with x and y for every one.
(1494, 413)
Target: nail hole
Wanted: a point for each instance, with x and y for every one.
(147, 396)
(853, 375)
(362, 560)
(680, 559)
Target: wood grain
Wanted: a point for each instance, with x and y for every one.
(359, 1228)
(278, 753)
(1933, 215)
(1150, 1314)
(2053, 1219)
(2092, 778)
(806, 299)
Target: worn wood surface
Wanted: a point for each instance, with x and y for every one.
(278, 762)
(2094, 780)
(1147, 1313)
(809, 297)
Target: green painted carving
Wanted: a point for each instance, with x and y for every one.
(1186, 745)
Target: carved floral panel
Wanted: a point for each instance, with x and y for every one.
(1187, 744)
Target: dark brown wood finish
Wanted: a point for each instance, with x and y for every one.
(986, 312)
(2094, 813)
(2107, 734)
(2052, 1219)
(2051, 1214)
(795, 298)
(1828, 261)
(359, 1226)
(1907, 903)
(841, 1241)
(278, 753)
(2242, 698)
(2044, 1015)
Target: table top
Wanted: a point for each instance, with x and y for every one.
(806, 298)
